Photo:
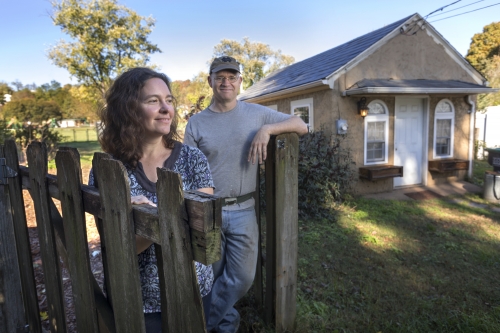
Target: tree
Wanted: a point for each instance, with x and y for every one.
(4, 90)
(492, 73)
(484, 46)
(192, 96)
(257, 59)
(107, 39)
(31, 110)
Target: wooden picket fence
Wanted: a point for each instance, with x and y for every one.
(185, 226)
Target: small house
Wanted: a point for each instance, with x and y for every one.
(402, 95)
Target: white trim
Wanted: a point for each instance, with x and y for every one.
(307, 102)
(418, 90)
(376, 118)
(450, 116)
(472, 115)
(426, 104)
(263, 96)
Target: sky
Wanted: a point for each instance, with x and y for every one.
(187, 30)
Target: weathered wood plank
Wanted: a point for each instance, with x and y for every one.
(145, 217)
(69, 180)
(22, 240)
(37, 160)
(269, 309)
(182, 309)
(118, 235)
(11, 301)
(286, 207)
(258, 282)
(97, 207)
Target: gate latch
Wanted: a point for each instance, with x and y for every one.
(5, 172)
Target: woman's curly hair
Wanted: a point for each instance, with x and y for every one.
(122, 126)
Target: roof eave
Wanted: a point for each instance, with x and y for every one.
(292, 90)
(413, 90)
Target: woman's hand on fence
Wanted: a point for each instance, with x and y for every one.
(141, 200)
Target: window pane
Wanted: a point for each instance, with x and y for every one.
(443, 107)
(302, 112)
(376, 108)
(443, 137)
(376, 131)
(375, 151)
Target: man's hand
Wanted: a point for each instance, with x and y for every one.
(258, 148)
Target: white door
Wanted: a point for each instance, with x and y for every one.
(408, 140)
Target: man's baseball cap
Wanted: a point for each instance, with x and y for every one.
(225, 62)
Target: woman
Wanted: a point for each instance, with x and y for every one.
(139, 129)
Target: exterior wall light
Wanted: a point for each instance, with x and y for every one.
(362, 108)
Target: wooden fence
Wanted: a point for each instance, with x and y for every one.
(186, 227)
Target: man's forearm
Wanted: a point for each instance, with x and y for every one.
(292, 125)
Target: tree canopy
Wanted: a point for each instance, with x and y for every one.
(257, 59)
(106, 40)
(484, 46)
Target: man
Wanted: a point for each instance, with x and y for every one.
(234, 136)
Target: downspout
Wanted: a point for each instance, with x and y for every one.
(472, 114)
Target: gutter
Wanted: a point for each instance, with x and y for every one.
(417, 90)
(280, 93)
(472, 115)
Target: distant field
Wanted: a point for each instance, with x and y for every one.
(78, 134)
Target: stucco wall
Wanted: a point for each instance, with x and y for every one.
(408, 57)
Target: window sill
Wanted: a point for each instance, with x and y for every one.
(380, 172)
(448, 165)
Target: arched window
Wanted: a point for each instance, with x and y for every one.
(376, 133)
(444, 124)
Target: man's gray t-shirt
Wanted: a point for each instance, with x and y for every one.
(225, 139)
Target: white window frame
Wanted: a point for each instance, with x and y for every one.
(274, 107)
(442, 115)
(308, 102)
(377, 118)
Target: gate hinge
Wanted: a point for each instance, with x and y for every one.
(5, 172)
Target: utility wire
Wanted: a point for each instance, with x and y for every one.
(470, 11)
(409, 31)
(437, 10)
(451, 10)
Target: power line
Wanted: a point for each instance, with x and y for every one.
(470, 11)
(437, 10)
(451, 10)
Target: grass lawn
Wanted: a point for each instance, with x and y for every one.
(86, 150)
(397, 266)
(77, 134)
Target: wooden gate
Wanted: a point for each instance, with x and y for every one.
(186, 227)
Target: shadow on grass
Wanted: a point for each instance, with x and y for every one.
(398, 266)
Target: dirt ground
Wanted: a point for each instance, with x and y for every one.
(94, 255)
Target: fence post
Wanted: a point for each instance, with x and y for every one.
(178, 280)
(119, 236)
(282, 231)
(37, 161)
(69, 181)
(22, 240)
(12, 317)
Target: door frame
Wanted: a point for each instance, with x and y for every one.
(425, 132)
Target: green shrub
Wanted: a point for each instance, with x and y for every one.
(326, 173)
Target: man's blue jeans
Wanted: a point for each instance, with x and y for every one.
(235, 272)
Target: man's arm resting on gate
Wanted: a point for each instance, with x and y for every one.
(258, 149)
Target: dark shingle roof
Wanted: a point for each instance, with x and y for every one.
(318, 67)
